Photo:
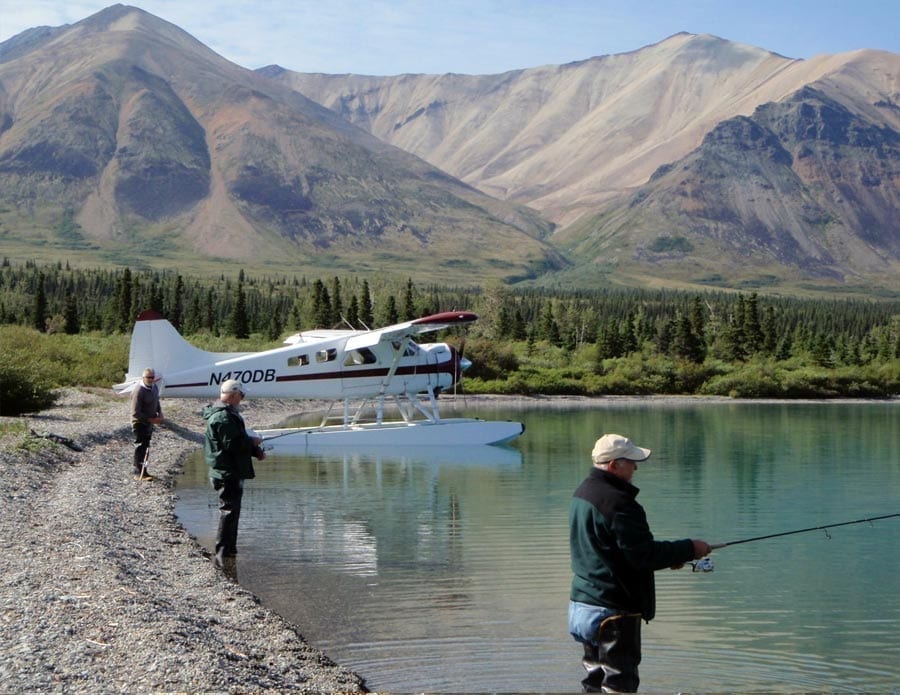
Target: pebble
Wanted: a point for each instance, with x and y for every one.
(102, 589)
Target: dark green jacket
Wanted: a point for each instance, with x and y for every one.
(613, 552)
(227, 446)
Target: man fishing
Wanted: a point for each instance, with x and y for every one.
(229, 449)
(614, 557)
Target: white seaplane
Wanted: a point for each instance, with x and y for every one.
(364, 370)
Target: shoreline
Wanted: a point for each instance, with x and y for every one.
(102, 589)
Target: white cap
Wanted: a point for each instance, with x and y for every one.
(232, 386)
(614, 446)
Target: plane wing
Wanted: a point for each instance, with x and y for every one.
(435, 322)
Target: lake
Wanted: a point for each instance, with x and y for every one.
(448, 571)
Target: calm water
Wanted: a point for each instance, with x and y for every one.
(448, 571)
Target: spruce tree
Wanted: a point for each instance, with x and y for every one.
(71, 325)
(39, 306)
(238, 323)
(366, 316)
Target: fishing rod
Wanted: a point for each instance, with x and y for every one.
(824, 527)
(706, 564)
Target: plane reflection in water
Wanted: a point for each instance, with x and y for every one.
(344, 510)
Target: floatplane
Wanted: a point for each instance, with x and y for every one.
(362, 370)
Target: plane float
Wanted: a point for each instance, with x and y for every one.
(363, 370)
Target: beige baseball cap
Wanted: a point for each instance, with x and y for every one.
(232, 386)
(614, 446)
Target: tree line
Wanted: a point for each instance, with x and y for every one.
(728, 326)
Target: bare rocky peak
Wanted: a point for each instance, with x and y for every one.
(692, 154)
(137, 127)
(565, 139)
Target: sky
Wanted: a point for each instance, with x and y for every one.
(479, 37)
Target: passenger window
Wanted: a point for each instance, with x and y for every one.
(358, 357)
(298, 361)
(326, 355)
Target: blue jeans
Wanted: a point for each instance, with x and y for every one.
(585, 619)
(612, 647)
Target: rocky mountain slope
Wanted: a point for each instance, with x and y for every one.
(692, 162)
(602, 146)
(804, 187)
(123, 133)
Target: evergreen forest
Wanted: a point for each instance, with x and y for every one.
(61, 326)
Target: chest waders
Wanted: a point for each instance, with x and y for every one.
(612, 663)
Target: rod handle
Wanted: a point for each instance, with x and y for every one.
(716, 546)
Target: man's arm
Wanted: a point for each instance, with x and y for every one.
(641, 550)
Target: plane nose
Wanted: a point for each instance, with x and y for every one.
(464, 363)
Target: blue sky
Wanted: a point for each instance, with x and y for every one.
(389, 37)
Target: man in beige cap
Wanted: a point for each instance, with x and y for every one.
(229, 448)
(614, 557)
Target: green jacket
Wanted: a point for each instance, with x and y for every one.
(227, 446)
(613, 551)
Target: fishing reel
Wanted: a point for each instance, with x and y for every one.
(702, 565)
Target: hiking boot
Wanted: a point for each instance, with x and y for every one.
(144, 477)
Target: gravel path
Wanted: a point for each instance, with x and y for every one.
(102, 590)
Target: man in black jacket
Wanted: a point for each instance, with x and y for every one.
(614, 557)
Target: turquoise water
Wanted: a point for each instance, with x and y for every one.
(448, 571)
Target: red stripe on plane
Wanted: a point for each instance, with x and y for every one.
(443, 368)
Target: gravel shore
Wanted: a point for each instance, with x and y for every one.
(102, 590)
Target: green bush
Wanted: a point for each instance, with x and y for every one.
(32, 364)
(744, 382)
(490, 360)
(23, 389)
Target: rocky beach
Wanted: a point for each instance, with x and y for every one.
(102, 590)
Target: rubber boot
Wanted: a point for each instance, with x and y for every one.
(620, 652)
(593, 682)
(230, 494)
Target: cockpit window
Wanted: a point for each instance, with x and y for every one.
(411, 348)
(298, 360)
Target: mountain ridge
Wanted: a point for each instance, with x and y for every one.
(142, 130)
(691, 162)
(614, 121)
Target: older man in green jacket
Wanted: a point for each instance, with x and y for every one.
(614, 556)
(229, 449)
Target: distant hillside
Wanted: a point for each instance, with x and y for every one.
(802, 185)
(690, 163)
(577, 141)
(121, 135)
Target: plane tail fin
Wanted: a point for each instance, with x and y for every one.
(156, 343)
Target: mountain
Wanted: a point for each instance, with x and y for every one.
(802, 189)
(123, 136)
(692, 162)
(607, 148)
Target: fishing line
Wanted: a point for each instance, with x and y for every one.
(823, 527)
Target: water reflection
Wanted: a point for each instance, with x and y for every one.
(447, 570)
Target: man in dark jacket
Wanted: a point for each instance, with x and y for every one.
(614, 557)
(229, 450)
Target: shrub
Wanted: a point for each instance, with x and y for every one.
(746, 382)
(490, 360)
(23, 389)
